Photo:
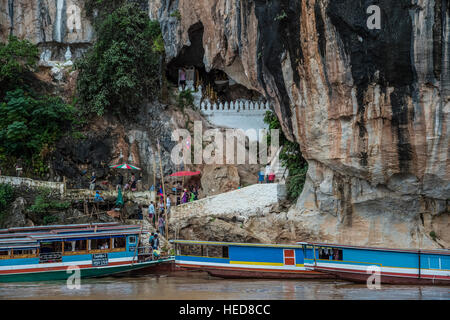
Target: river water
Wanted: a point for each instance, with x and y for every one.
(152, 287)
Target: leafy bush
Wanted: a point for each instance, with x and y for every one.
(122, 68)
(433, 235)
(176, 14)
(29, 126)
(6, 196)
(185, 99)
(281, 16)
(49, 219)
(290, 157)
(44, 204)
(16, 57)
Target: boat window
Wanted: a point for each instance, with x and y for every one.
(49, 247)
(216, 251)
(119, 243)
(24, 253)
(50, 252)
(225, 252)
(190, 250)
(4, 254)
(74, 246)
(132, 240)
(100, 244)
(330, 254)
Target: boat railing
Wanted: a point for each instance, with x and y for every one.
(146, 254)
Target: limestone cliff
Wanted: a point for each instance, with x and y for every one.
(370, 108)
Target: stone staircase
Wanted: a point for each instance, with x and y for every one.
(276, 167)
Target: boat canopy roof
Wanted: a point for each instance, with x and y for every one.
(31, 236)
(344, 246)
(216, 243)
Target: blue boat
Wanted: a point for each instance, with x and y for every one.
(394, 266)
(55, 252)
(243, 260)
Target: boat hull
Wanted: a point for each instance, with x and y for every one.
(385, 278)
(85, 272)
(253, 273)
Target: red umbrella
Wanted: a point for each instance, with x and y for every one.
(185, 173)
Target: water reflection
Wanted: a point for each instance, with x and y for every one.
(154, 287)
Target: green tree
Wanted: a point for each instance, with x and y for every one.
(16, 58)
(122, 69)
(290, 157)
(30, 124)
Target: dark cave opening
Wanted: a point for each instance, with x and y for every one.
(216, 84)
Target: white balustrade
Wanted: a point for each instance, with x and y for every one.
(233, 106)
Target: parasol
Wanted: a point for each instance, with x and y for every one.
(185, 173)
(125, 166)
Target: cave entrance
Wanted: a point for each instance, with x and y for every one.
(216, 85)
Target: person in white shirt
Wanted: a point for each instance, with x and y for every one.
(168, 204)
(267, 173)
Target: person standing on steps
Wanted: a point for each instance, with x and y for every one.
(261, 176)
(19, 167)
(155, 246)
(168, 202)
(92, 181)
(267, 173)
(161, 224)
(119, 181)
(133, 182)
(151, 213)
(182, 78)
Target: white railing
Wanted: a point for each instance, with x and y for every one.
(240, 105)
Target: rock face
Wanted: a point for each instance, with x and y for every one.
(219, 178)
(370, 108)
(51, 24)
(16, 216)
(245, 215)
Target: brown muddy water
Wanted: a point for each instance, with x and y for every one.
(150, 287)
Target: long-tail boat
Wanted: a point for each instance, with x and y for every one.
(243, 260)
(56, 252)
(391, 266)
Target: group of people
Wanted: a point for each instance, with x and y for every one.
(130, 185)
(268, 176)
(189, 194)
(152, 214)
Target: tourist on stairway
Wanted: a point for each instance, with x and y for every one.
(92, 181)
(161, 224)
(151, 212)
(267, 173)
